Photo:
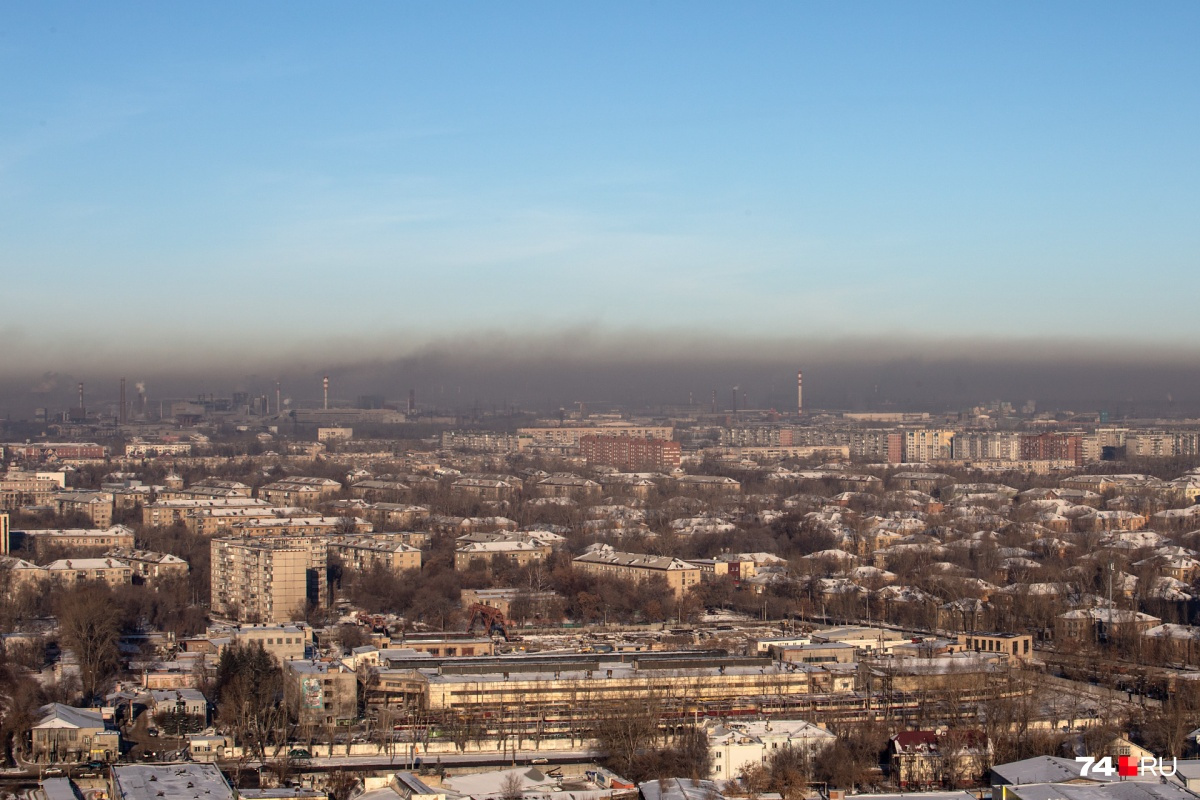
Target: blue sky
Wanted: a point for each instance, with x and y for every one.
(265, 172)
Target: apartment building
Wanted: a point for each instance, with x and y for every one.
(924, 445)
(570, 437)
(725, 566)
(149, 566)
(213, 521)
(485, 488)
(630, 453)
(361, 553)
(298, 526)
(708, 484)
(482, 555)
(1052, 447)
(96, 506)
(55, 451)
(267, 579)
(19, 488)
(70, 571)
(16, 573)
(207, 488)
(565, 485)
(299, 491)
(322, 693)
(400, 516)
(638, 567)
(373, 490)
(759, 436)
(41, 542)
(168, 512)
(157, 449)
(986, 446)
(479, 441)
(738, 745)
(834, 452)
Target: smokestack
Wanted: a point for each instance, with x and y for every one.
(278, 406)
(799, 392)
(326, 384)
(735, 391)
(714, 401)
(81, 396)
(412, 400)
(122, 415)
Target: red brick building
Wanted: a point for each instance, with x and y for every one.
(1052, 447)
(628, 453)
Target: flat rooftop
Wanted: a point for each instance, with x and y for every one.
(171, 782)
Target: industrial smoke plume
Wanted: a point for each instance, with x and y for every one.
(540, 373)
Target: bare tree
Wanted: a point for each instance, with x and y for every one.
(89, 623)
(626, 728)
(511, 787)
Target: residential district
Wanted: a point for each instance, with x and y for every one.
(232, 598)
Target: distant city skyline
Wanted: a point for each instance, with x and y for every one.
(276, 180)
(540, 375)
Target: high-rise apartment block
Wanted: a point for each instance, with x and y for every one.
(629, 453)
(1052, 446)
(927, 444)
(269, 579)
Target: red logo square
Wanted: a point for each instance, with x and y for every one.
(1127, 766)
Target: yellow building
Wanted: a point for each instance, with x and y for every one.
(40, 542)
(363, 552)
(264, 580)
(637, 567)
(70, 571)
(299, 491)
(168, 512)
(482, 555)
(96, 506)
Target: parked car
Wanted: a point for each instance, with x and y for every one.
(299, 753)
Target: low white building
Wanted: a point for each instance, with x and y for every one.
(739, 745)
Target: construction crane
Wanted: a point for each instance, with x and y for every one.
(493, 618)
